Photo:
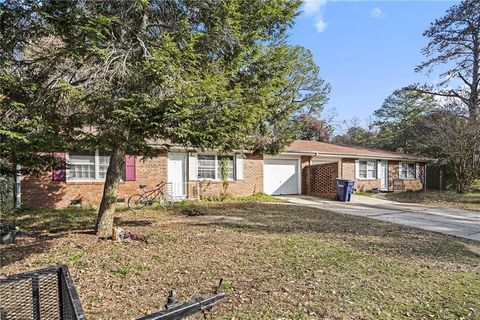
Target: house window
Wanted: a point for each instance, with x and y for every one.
(81, 166)
(407, 171)
(103, 162)
(210, 167)
(206, 167)
(88, 165)
(367, 169)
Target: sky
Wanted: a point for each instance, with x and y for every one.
(366, 49)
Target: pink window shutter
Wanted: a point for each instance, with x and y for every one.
(60, 174)
(130, 168)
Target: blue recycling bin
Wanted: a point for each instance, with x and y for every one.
(344, 189)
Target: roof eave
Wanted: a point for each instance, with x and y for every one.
(359, 156)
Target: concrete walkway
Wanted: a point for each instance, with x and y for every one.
(457, 222)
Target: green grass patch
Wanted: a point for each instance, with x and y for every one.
(469, 201)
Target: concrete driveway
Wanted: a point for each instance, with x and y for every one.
(457, 222)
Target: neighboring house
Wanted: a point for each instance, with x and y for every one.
(305, 167)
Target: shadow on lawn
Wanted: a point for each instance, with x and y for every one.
(121, 222)
(25, 246)
(358, 232)
(38, 228)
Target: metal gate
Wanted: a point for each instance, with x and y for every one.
(42, 294)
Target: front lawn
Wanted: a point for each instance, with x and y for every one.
(469, 201)
(277, 261)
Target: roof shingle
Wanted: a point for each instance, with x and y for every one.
(340, 150)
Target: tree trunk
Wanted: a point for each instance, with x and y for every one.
(104, 224)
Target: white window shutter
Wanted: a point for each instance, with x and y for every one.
(379, 168)
(239, 167)
(192, 167)
(357, 169)
(400, 164)
(417, 170)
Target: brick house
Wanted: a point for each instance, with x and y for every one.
(305, 167)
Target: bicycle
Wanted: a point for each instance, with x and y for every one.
(147, 198)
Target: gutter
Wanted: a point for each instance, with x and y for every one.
(177, 147)
(356, 156)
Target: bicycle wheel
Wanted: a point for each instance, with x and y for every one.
(166, 201)
(136, 202)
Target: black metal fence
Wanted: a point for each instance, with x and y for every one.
(43, 294)
(50, 293)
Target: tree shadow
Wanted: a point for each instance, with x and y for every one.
(42, 192)
(358, 232)
(121, 222)
(25, 247)
(53, 221)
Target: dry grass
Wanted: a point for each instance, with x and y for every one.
(278, 261)
(469, 201)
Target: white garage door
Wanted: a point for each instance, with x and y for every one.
(280, 176)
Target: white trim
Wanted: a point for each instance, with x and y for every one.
(350, 156)
(357, 169)
(425, 177)
(378, 166)
(95, 169)
(299, 168)
(174, 185)
(297, 153)
(239, 167)
(400, 164)
(192, 166)
(180, 148)
(386, 176)
(216, 155)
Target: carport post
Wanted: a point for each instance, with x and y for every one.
(425, 178)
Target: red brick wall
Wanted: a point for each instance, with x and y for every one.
(252, 181)
(397, 184)
(42, 192)
(306, 174)
(322, 178)
(394, 182)
(366, 184)
(348, 169)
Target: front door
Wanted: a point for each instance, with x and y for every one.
(177, 175)
(383, 175)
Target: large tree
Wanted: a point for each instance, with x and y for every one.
(206, 74)
(356, 135)
(398, 116)
(450, 137)
(310, 95)
(28, 126)
(454, 50)
(300, 99)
